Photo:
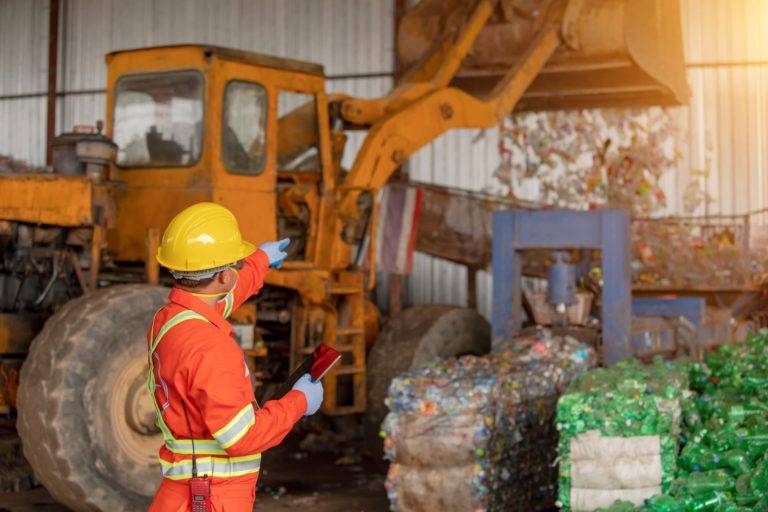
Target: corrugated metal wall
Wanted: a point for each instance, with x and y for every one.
(23, 63)
(724, 128)
(348, 37)
(726, 45)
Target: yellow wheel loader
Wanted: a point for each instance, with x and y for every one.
(260, 135)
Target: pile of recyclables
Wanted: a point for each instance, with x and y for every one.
(712, 441)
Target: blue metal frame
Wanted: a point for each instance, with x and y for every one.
(692, 309)
(515, 231)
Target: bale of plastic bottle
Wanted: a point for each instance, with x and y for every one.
(722, 464)
(619, 430)
(477, 433)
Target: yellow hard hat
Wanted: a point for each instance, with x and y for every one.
(202, 237)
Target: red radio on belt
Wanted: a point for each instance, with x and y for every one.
(200, 493)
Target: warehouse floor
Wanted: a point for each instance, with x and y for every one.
(291, 480)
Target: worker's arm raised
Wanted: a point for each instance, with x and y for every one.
(222, 391)
(250, 278)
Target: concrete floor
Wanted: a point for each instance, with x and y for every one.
(291, 479)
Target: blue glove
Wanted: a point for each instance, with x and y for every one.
(276, 251)
(313, 391)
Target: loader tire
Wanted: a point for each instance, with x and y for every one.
(85, 415)
(414, 337)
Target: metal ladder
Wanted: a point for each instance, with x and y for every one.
(347, 335)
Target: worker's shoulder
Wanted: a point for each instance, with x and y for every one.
(174, 318)
(198, 331)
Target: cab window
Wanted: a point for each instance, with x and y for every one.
(297, 132)
(244, 128)
(159, 119)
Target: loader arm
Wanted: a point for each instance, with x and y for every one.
(416, 113)
(472, 62)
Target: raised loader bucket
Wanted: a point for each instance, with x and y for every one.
(615, 53)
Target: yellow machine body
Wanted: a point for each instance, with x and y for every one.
(51, 199)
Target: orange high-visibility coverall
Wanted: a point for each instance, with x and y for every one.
(198, 363)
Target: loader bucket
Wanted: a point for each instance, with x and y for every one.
(614, 53)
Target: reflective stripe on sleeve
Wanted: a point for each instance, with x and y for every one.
(233, 431)
(212, 466)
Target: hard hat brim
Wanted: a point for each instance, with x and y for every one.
(245, 250)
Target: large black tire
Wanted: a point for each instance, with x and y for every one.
(414, 337)
(85, 419)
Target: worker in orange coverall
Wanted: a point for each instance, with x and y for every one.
(198, 375)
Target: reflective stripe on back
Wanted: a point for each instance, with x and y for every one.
(212, 466)
(202, 446)
(182, 446)
(174, 321)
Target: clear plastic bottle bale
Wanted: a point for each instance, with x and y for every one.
(478, 433)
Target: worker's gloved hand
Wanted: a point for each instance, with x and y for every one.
(312, 390)
(276, 251)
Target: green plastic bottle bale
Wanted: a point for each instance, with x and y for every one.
(733, 507)
(630, 399)
(696, 458)
(759, 480)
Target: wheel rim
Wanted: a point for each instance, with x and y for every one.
(132, 415)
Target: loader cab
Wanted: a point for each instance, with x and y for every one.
(200, 123)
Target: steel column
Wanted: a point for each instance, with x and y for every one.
(53, 58)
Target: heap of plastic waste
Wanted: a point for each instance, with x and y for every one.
(723, 459)
(477, 433)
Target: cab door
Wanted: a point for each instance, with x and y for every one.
(304, 172)
(299, 170)
(243, 156)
